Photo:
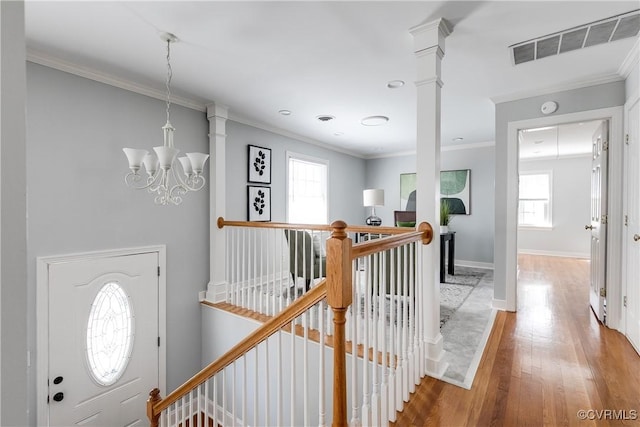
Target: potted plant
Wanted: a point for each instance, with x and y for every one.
(445, 216)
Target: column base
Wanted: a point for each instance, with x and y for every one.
(435, 363)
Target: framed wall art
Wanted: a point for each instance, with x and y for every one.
(259, 164)
(259, 203)
(454, 189)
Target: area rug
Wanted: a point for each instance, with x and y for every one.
(456, 289)
(466, 329)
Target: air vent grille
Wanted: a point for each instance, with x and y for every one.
(603, 31)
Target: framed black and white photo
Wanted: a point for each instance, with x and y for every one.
(259, 164)
(259, 203)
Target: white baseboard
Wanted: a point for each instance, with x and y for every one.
(499, 304)
(474, 264)
(554, 253)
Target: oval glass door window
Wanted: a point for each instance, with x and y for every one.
(109, 334)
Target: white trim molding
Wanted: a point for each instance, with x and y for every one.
(604, 79)
(499, 304)
(630, 61)
(614, 185)
(474, 264)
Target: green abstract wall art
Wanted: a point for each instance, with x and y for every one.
(454, 189)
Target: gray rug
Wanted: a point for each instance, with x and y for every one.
(456, 289)
(467, 328)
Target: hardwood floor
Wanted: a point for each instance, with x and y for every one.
(543, 364)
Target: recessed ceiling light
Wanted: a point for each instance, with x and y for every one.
(338, 133)
(285, 112)
(325, 118)
(458, 139)
(395, 84)
(374, 120)
(537, 152)
(538, 142)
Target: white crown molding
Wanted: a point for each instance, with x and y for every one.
(609, 78)
(630, 61)
(389, 155)
(42, 58)
(468, 146)
(246, 121)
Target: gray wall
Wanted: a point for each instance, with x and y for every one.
(346, 174)
(571, 204)
(77, 199)
(474, 232)
(571, 101)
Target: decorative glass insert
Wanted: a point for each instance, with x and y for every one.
(109, 334)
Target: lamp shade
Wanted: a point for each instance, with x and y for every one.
(373, 197)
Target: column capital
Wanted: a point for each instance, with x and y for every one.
(217, 110)
(430, 34)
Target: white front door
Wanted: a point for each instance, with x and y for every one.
(598, 226)
(103, 340)
(631, 233)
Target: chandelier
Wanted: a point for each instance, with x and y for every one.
(163, 177)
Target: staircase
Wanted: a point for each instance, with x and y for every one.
(358, 345)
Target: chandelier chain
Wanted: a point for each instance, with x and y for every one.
(169, 76)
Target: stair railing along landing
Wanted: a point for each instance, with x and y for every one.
(376, 319)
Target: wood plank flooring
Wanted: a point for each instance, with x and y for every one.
(542, 364)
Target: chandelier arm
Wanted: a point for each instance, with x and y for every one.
(132, 179)
(194, 183)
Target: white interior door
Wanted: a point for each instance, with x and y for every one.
(103, 340)
(598, 226)
(631, 233)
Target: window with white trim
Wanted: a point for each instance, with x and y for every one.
(534, 204)
(307, 190)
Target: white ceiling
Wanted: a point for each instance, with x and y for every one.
(317, 58)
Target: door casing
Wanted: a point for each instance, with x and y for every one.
(42, 316)
(615, 192)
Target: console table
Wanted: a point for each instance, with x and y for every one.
(444, 238)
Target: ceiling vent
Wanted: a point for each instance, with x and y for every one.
(603, 31)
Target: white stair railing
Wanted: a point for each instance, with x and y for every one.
(279, 375)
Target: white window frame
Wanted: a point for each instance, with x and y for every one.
(549, 225)
(297, 156)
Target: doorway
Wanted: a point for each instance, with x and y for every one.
(562, 197)
(614, 203)
(100, 336)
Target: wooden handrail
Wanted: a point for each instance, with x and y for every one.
(337, 288)
(298, 307)
(316, 227)
(424, 232)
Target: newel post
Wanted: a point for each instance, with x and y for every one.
(154, 397)
(339, 297)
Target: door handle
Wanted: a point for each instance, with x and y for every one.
(588, 227)
(636, 237)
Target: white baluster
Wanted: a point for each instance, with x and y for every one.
(305, 368)
(279, 420)
(366, 403)
(321, 382)
(391, 397)
(375, 326)
(384, 388)
(292, 406)
(411, 383)
(267, 382)
(243, 274)
(405, 331)
(354, 310)
(399, 329)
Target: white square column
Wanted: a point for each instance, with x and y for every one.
(217, 115)
(429, 51)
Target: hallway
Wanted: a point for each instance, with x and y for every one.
(542, 365)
